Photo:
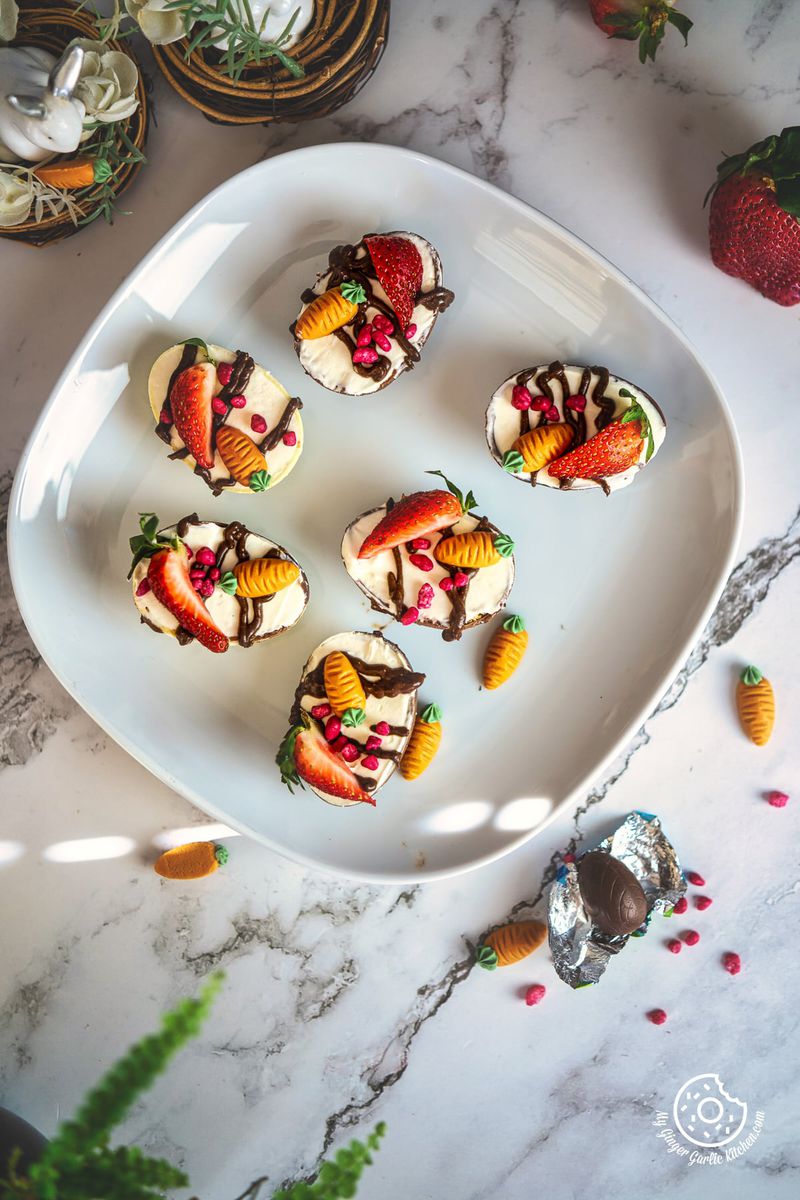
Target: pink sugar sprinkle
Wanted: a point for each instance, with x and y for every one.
(373, 742)
(238, 401)
(695, 879)
(461, 579)
(777, 799)
(410, 616)
(691, 937)
(421, 544)
(732, 963)
(681, 906)
(535, 994)
(703, 902)
(349, 752)
(321, 711)
(383, 728)
(423, 562)
(258, 424)
(657, 1016)
(674, 946)
(224, 372)
(289, 438)
(219, 406)
(540, 403)
(370, 763)
(446, 584)
(425, 596)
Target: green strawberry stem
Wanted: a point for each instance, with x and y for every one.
(146, 543)
(467, 502)
(637, 413)
(778, 158)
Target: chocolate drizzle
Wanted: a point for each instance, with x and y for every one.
(353, 262)
(542, 383)
(276, 433)
(243, 367)
(377, 679)
(234, 539)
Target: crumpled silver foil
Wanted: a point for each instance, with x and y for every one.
(580, 950)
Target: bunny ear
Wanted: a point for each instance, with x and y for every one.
(29, 106)
(63, 78)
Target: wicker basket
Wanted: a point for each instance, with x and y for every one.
(51, 26)
(339, 51)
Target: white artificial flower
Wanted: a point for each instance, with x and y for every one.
(159, 24)
(108, 82)
(16, 199)
(8, 19)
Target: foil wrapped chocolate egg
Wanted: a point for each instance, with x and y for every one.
(611, 894)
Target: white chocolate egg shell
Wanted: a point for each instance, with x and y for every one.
(503, 420)
(329, 362)
(279, 614)
(265, 396)
(400, 710)
(487, 593)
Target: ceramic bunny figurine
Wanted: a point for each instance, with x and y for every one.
(38, 115)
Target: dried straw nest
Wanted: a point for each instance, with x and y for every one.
(338, 52)
(51, 26)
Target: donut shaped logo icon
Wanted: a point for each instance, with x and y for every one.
(705, 1114)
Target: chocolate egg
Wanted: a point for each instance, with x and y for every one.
(611, 894)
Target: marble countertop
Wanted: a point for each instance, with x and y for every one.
(348, 1004)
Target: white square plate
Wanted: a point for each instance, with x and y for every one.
(614, 591)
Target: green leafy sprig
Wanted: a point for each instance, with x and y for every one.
(114, 157)
(338, 1177)
(146, 543)
(79, 1162)
(207, 22)
(467, 502)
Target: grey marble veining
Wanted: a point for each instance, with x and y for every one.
(344, 1003)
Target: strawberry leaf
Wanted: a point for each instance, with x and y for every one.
(787, 193)
(146, 543)
(467, 502)
(637, 413)
(195, 341)
(681, 23)
(285, 758)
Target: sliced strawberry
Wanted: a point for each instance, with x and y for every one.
(190, 399)
(318, 765)
(411, 517)
(398, 265)
(168, 576)
(610, 452)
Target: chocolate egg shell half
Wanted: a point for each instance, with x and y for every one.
(611, 894)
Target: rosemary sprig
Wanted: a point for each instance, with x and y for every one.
(105, 147)
(207, 22)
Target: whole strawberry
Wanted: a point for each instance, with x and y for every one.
(754, 222)
(635, 21)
